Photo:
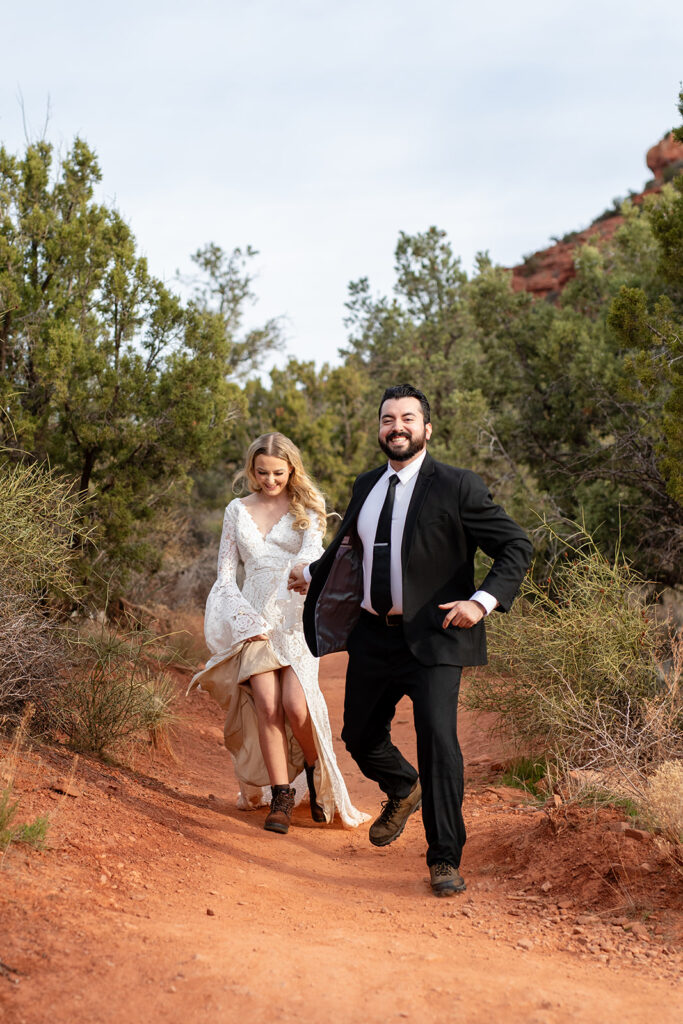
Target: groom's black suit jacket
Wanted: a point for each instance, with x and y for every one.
(450, 515)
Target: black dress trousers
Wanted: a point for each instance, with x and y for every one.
(380, 672)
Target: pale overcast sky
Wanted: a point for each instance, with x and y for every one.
(316, 131)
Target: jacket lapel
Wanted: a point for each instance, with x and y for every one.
(422, 485)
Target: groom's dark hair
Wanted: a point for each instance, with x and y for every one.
(407, 391)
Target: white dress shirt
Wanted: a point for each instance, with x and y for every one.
(367, 528)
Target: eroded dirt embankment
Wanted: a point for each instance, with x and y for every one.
(157, 900)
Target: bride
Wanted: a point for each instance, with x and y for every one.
(261, 670)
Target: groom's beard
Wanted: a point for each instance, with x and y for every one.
(415, 444)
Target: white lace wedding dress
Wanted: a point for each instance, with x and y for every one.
(263, 605)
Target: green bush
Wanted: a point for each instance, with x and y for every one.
(114, 693)
(577, 670)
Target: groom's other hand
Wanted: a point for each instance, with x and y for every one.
(297, 580)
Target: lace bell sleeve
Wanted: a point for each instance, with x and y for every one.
(312, 542)
(229, 618)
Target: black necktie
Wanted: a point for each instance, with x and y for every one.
(380, 581)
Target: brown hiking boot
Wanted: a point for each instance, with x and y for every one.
(445, 879)
(281, 807)
(395, 813)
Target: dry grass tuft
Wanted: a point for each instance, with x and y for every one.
(662, 804)
(41, 520)
(32, 833)
(97, 685)
(32, 655)
(114, 692)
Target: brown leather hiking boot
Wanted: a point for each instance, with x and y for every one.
(395, 813)
(445, 879)
(281, 807)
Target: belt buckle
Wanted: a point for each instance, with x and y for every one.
(391, 624)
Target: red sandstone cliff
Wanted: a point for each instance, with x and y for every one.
(667, 153)
(546, 272)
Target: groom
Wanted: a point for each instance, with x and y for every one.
(395, 588)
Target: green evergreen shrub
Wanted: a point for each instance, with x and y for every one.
(579, 671)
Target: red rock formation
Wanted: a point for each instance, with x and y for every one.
(546, 272)
(663, 155)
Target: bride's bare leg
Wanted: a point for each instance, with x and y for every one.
(296, 709)
(267, 691)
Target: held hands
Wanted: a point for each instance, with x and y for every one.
(296, 580)
(464, 614)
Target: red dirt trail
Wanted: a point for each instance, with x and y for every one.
(157, 900)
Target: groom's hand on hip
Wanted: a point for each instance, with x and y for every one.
(463, 614)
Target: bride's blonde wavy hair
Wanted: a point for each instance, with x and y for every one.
(304, 496)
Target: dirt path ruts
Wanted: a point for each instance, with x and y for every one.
(159, 901)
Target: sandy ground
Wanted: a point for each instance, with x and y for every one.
(157, 900)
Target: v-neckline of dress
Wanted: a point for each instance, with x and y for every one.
(266, 535)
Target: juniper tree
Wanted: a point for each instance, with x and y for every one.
(104, 371)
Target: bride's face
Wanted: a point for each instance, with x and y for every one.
(272, 474)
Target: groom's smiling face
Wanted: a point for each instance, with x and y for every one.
(403, 432)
